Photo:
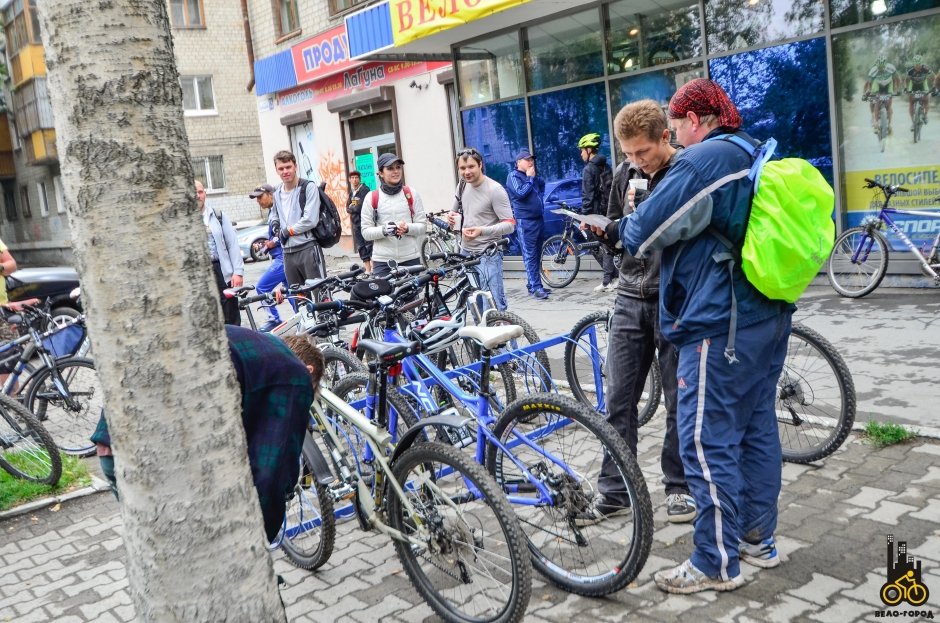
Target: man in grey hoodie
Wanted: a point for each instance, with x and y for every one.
(293, 223)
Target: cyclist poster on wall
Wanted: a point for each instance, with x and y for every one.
(884, 77)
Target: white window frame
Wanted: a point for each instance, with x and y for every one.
(59, 194)
(43, 198)
(210, 187)
(199, 112)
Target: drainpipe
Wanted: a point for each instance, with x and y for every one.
(248, 45)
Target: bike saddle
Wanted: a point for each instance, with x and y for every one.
(388, 352)
(491, 337)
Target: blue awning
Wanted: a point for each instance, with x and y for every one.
(275, 73)
(369, 30)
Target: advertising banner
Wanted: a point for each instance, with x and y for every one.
(414, 19)
(322, 55)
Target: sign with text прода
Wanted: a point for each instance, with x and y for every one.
(414, 19)
(321, 55)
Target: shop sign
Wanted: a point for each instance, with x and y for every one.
(322, 55)
(368, 76)
(365, 164)
(296, 99)
(414, 19)
(923, 185)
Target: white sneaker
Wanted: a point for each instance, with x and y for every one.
(686, 579)
(613, 285)
(600, 288)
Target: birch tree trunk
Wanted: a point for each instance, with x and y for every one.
(192, 524)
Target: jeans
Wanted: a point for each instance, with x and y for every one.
(272, 278)
(380, 269)
(490, 272)
(729, 441)
(633, 336)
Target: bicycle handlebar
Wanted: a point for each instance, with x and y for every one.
(870, 183)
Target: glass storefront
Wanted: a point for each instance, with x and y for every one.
(553, 80)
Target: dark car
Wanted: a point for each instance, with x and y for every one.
(567, 190)
(56, 282)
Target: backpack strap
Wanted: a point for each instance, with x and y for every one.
(461, 187)
(303, 192)
(374, 199)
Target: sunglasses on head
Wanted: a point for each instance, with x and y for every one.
(470, 151)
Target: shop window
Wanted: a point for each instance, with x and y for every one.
(641, 36)
(209, 171)
(338, 6)
(558, 120)
(498, 129)
(781, 92)
(848, 12)
(43, 198)
(737, 24)
(24, 202)
(187, 14)
(564, 50)
(287, 18)
(490, 69)
(198, 98)
(916, 166)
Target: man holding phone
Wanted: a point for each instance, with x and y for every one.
(634, 334)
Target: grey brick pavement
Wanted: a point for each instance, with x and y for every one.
(68, 565)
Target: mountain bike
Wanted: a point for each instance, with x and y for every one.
(920, 117)
(859, 259)
(561, 253)
(452, 528)
(27, 450)
(440, 240)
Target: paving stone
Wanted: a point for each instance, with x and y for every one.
(869, 497)
(94, 611)
(843, 610)
(788, 608)
(381, 610)
(28, 574)
(869, 591)
(927, 448)
(820, 588)
(932, 476)
(889, 512)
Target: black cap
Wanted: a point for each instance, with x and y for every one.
(260, 190)
(388, 159)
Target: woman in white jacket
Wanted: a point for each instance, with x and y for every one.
(397, 222)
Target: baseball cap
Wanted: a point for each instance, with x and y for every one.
(524, 154)
(260, 190)
(387, 159)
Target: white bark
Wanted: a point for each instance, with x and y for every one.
(192, 524)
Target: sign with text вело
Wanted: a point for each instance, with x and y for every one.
(414, 19)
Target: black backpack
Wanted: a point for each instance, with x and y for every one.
(329, 228)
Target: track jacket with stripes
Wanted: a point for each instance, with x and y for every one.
(707, 185)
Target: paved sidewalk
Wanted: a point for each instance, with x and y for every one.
(68, 565)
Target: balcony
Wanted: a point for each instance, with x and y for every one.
(28, 63)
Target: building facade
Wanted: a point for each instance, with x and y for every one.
(211, 47)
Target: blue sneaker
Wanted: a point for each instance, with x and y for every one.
(763, 554)
(540, 294)
(268, 326)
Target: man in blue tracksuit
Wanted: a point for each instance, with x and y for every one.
(526, 190)
(732, 343)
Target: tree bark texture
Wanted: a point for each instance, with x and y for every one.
(192, 524)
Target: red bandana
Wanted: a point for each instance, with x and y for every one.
(704, 97)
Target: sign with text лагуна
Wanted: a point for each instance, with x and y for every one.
(365, 164)
(414, 19)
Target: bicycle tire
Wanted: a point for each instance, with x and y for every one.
(857, 279)
(309, 546)
(580, 360)
(429, 247)
(71, 425)
(918, 121)
(815, 398)
(337, 363)
(882, 128)
(352, 390)
(612, 552)
(27, 450)
(464, 353)
(534, 370)
(470, 534)
(553, 270)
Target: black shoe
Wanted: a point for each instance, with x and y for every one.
(680, 508)
(600, 510)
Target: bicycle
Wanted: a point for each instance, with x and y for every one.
(544, 450)
(883, 126)
(815, 398)
(920, 117)
(561, 253)
(27, 450)
(893, 593)
(859, 259)
(440, 240)
(64, 392)
(453, 530)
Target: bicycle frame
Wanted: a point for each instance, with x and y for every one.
(884, 216)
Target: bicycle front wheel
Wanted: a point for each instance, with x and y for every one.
(464, 553)
(310, 526)
(67, 398)
(815, 398)
(560, 262)
(27, 451)
(592, 534)
(431, 246)
(857, 277)
(338, 363)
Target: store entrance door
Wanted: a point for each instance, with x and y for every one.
(370, 137)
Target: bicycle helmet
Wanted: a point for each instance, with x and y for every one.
(881, 61)
(590, 141)
(918, 59)
(437, 334)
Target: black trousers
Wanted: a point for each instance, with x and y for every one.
(230, 311)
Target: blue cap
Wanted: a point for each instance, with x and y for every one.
(524, 155)
(387, 159)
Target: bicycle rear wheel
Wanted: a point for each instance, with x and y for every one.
(429, 247)
(465, 553)
(581, 552)
(67, 398)
(531, 372)
(856, 278)
(882, 128)
(338, 363)
(27, 451)
(560, 262)
(815, 398)
(310, 526)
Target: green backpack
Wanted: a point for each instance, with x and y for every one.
(790, 231)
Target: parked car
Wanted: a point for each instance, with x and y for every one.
(55, 282)
(250, 239)
(567, 190)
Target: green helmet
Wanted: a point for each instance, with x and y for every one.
(590, 141)
(918, 59)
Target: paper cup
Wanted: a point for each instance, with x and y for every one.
(639, 184)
